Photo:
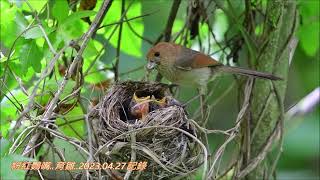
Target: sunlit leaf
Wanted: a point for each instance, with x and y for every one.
(75, 16)
(30, 55)
(77, 126)
(72, 26)
(60, 10)
(22, 23)
(309, 30)
(36, 32)
(9, 111)
(92, 49)
(221, 25)
(130, 43)
(310, 42)
(96, 76)
(8, 30)
(52, 86)
(5, 129)
(35, 4)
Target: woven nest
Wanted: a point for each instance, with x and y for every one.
(163, 138)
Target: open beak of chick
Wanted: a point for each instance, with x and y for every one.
(139, 106)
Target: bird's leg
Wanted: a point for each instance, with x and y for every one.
(202, 92)
(146, 75)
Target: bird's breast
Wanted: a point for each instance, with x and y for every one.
(194, 77)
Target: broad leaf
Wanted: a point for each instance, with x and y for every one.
(30, 55)
(77, 126)
(309, 30)
(75, 16)
(36, 32)
(6, 162)
(130, 42)
(60, 10)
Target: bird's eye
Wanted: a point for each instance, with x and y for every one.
(156, 54)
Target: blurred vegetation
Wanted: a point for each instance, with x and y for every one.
(25, 54)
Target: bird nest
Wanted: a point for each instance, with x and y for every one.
(161, 143)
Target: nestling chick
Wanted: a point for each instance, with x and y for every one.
(139, 107)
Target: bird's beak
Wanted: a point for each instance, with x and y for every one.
(151, 65)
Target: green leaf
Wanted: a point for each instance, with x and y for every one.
(71, 31)
(309, 38)
(8, 30)
(92, 49)
(60, 10)
(35, 4)
(77, 126)
(52, 86)
(30, 55)
(221, 25)
(96, 77)
(76, 16)
(21, 22)
(72, 26)
(36, 32)
(309, 8)
(130, 42)
(4, 146)
(6, 163)
(309, 30)
(8, 111)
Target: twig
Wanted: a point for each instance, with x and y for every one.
(86, 37)
(116, 66)
(168, 29)
(90, 157)
(205, 152)
(138, 35)
(305, 105)
(10, 53)
(44, 74)
(173, 13)
(14, 104)
(127, 20)
(133, 151)
(41, 28)
(235, 130)
(104, 44)
(254, 162)
(281, 128)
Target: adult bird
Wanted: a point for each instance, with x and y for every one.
(187, 67)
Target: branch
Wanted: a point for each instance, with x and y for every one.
(261, 156)
(305, 105)
(86, 37)
(116, 66)
(172, 17)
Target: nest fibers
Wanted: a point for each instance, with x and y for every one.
(164, 139)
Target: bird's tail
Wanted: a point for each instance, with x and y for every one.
(247, 72)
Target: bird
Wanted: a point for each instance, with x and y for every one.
(158, 103)
(186, 67)
(139, 107)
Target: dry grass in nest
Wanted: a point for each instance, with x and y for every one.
(165, 138)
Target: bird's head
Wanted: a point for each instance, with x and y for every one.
(162, 54)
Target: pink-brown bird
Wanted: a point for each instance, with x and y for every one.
(187, 67)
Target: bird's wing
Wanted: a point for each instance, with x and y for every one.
(190, 59)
